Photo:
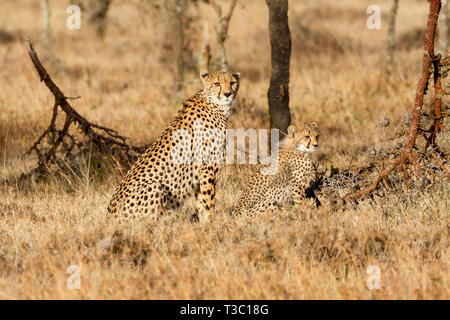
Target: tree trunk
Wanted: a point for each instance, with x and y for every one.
(47, 30)
(180, 8)
(174, 15)
(98, 16)
(223, 22)
(280, 44)
(391, 37)
(96, 11)
(204, 57)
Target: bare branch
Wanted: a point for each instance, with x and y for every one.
(102, 139)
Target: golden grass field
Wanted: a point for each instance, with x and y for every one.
(336, 80)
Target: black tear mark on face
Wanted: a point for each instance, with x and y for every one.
(220, 90)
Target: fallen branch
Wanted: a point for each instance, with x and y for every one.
(429, 61)
(61, 143)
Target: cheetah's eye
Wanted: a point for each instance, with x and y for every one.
(217, 84)
(233, 83)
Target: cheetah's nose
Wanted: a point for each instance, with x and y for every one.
(227, 94)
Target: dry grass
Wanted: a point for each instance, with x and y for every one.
(320, 253)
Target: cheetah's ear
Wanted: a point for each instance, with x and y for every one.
(314, 125)
(291, 131)
(237, 75)
(204, 76)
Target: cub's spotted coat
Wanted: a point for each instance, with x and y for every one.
(292, 177)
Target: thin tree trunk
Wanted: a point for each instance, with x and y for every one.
(167, 40)
(391, 37)
(47, 30)
(280, 43)
(173, 12)
(222, 30)
(179, 44)
(99, 16)
(205, 52)
(96, 11)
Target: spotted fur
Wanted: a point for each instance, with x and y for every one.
(159, 180)
(266, 192)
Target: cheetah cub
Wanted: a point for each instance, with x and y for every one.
(265, 192)
(185, 159)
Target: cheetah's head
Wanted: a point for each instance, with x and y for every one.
(221, 87)
(305, 137)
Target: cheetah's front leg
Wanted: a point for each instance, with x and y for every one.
(297, 188)
(206, 192)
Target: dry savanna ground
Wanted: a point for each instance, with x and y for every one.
(125, 82)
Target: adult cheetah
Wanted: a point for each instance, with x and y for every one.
(293, 175)
(185, 159)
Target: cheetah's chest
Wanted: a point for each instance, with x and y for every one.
(176, 159)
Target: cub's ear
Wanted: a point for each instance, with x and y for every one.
(291, 131)
(237, 75)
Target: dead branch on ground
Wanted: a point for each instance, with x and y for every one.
(61, 143)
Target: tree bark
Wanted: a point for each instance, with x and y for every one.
(280, 44)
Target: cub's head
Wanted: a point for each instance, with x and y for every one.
(304, 137)
(221, 87)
